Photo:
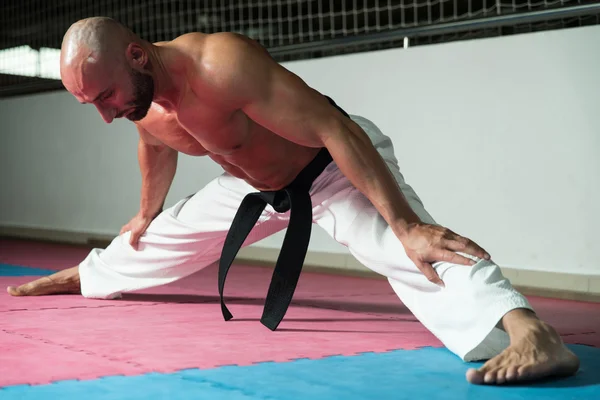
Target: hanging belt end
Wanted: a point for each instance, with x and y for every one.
(270, 323)
(226, 314)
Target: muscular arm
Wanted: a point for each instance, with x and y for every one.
(158, 164)
(360, 162)
(281, 102)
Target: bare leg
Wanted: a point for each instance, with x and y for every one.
(62, 282)
(536, 351)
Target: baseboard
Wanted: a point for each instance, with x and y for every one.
(55, 236)
(558, 285)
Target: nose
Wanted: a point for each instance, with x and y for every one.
(108, 114)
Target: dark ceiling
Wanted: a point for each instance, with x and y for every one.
(40, 23)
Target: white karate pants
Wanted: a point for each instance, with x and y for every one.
(189, 236)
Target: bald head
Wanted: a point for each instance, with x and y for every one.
(95, 39)
(105, 63)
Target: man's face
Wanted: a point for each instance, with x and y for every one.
(116, 90)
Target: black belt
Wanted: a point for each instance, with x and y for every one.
(294, 197)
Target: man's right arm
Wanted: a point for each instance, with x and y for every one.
(158, 164)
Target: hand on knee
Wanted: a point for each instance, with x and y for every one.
(425, 244)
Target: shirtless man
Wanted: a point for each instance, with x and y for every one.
(223, 96)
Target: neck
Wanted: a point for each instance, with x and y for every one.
(167, 84)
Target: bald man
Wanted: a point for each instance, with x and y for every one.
(290, 155)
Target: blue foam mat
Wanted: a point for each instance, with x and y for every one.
(429, 373)
(17, 270)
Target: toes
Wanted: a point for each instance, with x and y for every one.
(484, 375)
(475, 376)
(24, 290)
(525, 372)
(13, 291)
(534, 371)
(490, 377)
(501, 376)
(512, 373)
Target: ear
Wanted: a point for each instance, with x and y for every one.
(137, 56)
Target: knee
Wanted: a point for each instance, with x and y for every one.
(483, 273)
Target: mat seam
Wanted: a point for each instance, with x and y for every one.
(220, 385)
(70, 348)
(79, 307)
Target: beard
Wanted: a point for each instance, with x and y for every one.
(143, 94)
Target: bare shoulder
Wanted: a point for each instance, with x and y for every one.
(188, 39)
(198, 41)
(215, 47)
(189, 44)
(219, 49)
(231, 41)
(228, 64)
(228, 47)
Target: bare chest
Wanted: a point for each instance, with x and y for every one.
(165, 127)
(219, 132)
(243, 148)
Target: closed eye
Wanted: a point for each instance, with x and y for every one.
(108, 95)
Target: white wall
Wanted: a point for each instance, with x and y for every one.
(500, 137)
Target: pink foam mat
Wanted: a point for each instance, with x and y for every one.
(41, 255)
(178, 326)
(29, 358)
(172, 336)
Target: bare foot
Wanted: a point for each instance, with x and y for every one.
(62, 282)
(536, 352)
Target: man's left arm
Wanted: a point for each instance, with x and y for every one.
(283, 103)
